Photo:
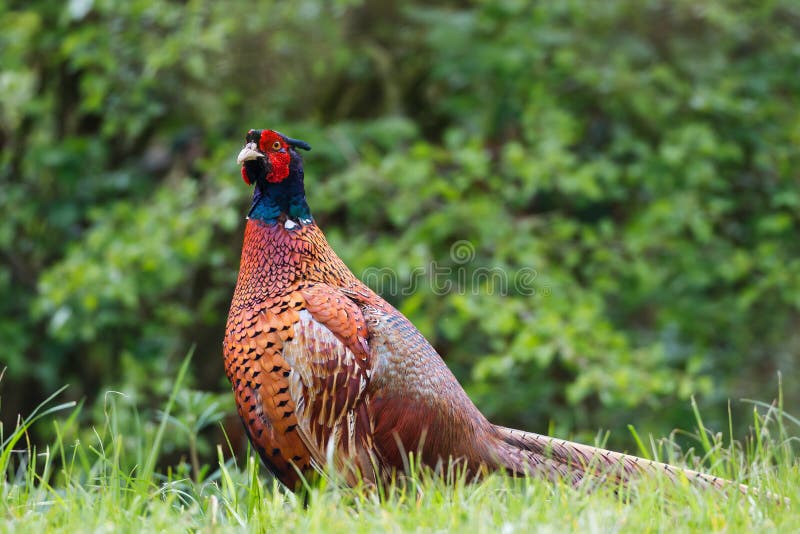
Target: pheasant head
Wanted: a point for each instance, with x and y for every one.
(270, 161)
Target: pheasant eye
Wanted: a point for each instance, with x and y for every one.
(276, 145)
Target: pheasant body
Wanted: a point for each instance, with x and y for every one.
(298, 325)
(323, 369)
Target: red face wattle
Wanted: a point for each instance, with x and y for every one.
(245, 176)
(276, 149)
(266, 155)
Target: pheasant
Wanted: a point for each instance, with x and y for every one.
(325, 371)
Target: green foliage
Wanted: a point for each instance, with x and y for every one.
(636, 161)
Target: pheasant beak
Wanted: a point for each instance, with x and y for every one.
(249, 152)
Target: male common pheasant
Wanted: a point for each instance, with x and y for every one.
(324, 370)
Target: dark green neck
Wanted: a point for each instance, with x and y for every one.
(288, 197)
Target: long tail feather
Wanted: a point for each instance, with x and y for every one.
(523, 452)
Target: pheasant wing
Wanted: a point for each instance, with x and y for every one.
(330, 358)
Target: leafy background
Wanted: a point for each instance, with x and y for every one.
(641, 156)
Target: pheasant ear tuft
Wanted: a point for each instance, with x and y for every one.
(296, 143)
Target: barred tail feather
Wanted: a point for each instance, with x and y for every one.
(529, 453)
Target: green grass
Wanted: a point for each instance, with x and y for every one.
(106, 480)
